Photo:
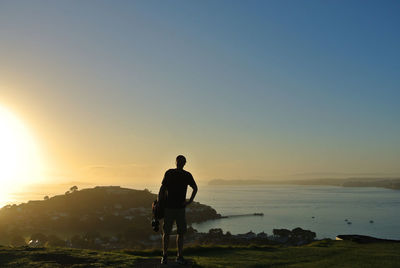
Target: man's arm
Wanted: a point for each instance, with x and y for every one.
(163, 189)
(192, 184)
(194, 192)
(162, 193)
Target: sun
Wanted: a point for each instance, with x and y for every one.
(20, 162)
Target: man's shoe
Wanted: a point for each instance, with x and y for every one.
(181, 260)
(164, 260)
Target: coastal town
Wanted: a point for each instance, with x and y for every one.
(113, 218)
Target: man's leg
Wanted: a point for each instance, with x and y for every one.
(165, 243)
(167, 227)
(179, 244)
(182, 228)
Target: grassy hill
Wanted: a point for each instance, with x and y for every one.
(324, 253)
(99, 217)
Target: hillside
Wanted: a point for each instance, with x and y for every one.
(112, 216)
(326, 253)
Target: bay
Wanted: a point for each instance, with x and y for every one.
(322, 209)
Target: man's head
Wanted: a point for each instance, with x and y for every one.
(180, 161)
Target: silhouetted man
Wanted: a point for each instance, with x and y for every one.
(173, 191)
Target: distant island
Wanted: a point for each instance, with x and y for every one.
(389, 183)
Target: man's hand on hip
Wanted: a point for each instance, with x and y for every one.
(187, 202)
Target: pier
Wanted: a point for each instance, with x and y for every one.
(243, 215)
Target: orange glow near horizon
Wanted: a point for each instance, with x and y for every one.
(20, 160)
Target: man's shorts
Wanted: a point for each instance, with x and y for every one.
(174, 214)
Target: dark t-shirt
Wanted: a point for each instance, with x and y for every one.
(176, 182)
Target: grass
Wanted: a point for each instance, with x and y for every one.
(318, 254)
(62, 257)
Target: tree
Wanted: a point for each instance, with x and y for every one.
(55, 241)
(216, 232)
(39, 239)
(78, 242)
(17, 241)
(305, 235)
(46, 197)
(282, 232)
(73, 189)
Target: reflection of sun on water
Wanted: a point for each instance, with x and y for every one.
(20, 163)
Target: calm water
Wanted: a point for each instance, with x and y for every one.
(288, 207)
(294, 206)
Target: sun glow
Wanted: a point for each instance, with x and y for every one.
(20, 162)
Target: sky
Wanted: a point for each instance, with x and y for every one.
(113, 91)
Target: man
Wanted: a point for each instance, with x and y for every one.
(173, 191)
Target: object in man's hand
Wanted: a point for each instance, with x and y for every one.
(155, 224)
(157, 209)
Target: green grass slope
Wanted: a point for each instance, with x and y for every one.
(317, 254)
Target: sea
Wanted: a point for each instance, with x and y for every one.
(326, 210)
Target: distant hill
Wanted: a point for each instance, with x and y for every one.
(115, 211)
(389, 183)
(239, 182)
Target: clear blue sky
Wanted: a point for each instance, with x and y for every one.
(244, 88)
